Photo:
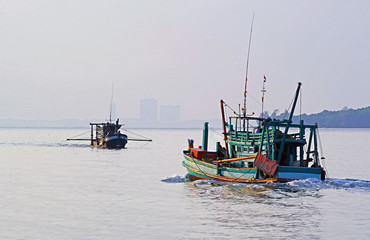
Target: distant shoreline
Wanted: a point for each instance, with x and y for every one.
(345, 118)
(148, 128)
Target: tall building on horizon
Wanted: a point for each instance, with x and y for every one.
(148, 111)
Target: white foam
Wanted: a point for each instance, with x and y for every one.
(174, 179)
(331, 183)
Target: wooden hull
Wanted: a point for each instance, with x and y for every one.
(198, 169)
(116, 141)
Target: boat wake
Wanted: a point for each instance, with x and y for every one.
(28, 144)
(305, 184)
(175, 179)
(331, 183)
(298, 185)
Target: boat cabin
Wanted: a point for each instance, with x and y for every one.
(279, 140)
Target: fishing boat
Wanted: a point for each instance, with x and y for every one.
(257, 149)
(271, 151)
(108, 135)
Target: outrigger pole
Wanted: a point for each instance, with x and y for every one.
(246, 76)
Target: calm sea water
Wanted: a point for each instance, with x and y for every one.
(53, 189)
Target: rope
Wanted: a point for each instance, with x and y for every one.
(206, 174)
(288, 108)
(80, 134)
(144, 145)
(322, 160)
(231, 109)
(136, 134)
(236, 178)
(300, 105)
(266, 110)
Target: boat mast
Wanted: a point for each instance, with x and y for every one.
(224, 127)
(246, 76)
(295, 102)
(288, 124)
(111, 104)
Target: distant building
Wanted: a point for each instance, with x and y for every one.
(148, 111)
(169, 114)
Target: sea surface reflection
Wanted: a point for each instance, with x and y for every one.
(277, 210)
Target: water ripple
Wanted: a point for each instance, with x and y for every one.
(28, 144)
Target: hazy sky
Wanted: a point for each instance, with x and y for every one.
(58, 59)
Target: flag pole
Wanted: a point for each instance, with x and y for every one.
(263, 93)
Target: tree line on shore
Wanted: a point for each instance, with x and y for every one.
(345, 118)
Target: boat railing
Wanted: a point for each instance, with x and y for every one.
(249, 136)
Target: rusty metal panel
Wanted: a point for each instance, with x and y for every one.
(265, 165)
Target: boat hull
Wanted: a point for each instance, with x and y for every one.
(116, 141)
(198, 169)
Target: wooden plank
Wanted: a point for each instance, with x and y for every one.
(233, 159)
(244, 180)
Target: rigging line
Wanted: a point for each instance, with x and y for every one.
(291, 103)
(321, 150)
(226, 116)
(196, 164)
(257, 102)
(254, 99)
(145, 143)
(300, 105)
(236, 178)
(231, 109)
(322, 160)
(80, 134)
(136, 134)
(206, 174)
(226, 113)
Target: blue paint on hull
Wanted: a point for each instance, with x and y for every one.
(198, 169)
(116, 141)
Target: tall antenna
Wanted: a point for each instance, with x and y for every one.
(246, 76)
(111, 104)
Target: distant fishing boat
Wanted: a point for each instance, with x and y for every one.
(108, 135)
(272, 151)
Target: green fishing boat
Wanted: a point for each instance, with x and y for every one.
(271, 151)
